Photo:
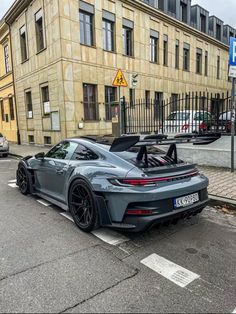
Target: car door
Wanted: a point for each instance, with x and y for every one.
(52, 172)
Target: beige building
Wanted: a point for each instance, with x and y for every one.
(8, 118)
(66, 54)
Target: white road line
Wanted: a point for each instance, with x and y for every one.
(13, 185)
(106, 235)
(44, 203)
(109, 236)
(67, 216)
(12, 181)
(2, 161)
(234, 311)
(175, 273)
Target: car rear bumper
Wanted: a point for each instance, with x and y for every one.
(142, 223)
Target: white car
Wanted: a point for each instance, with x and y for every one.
(188, 121)
(4, 146)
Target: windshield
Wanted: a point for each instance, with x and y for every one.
(176, 116)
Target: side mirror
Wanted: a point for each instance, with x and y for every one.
(40, 156)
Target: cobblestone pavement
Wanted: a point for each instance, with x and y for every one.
(222, 182)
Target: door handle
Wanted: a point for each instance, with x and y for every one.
(59, 171)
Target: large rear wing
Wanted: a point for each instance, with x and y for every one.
(124, 143)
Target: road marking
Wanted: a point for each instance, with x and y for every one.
(44, 203)
(106, 235)
(109, 236)
(12, 181)
(13, 185)
(67, 216)
(234, 311)
(175, 273)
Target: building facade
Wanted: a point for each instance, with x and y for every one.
(67, 53)
(8, 117)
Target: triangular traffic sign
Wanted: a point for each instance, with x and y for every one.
(120, 80)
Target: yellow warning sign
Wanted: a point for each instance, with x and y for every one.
(120, 80)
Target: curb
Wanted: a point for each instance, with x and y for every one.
(222, 199)
(15, 155)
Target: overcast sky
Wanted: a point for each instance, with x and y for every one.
(225, 9)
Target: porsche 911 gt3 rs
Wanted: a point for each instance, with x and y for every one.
(130, 184)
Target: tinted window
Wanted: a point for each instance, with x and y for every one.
(63, 151)
(200, 116)
(175, 116)
(83, 153)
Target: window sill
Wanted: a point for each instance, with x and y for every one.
(30, 118)
(5, 75)
(165, 65)
(91, 121)
(186, 71)
(156, 63)
(110, 51)
(24, 61)
(94, 47)
(40, 51)
(131, 57)
(199, 74)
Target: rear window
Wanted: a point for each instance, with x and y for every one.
(176, 116)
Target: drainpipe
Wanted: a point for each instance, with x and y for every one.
(13, 77)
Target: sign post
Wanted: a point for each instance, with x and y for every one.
(232, 74)
(119, 82)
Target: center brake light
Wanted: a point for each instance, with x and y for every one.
(150, 182)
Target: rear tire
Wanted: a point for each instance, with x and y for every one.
(83, 206)
(23, 180)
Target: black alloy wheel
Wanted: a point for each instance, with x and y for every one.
(82, 205)
(23, 180)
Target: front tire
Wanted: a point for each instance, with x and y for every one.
(82, 206)
(23, 180)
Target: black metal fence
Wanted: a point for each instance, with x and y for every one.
(186, 113)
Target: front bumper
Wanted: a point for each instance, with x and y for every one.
(3, 150)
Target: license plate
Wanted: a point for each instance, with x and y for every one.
(186, 200)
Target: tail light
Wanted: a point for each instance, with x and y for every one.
(203, 126)
(185, 127)
(150, 181)
(139, 212)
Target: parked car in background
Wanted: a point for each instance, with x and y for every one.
(188, 121)
(225, 122)
(4, 146)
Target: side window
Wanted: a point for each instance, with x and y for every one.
(83, 153)
(63, 151)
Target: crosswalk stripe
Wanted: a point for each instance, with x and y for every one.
(12, 181)
(13, 185)
(109, 236)
(67, 216)
(106, 235)
(44, 203)
(175, 273)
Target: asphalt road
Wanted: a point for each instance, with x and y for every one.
(48, 265)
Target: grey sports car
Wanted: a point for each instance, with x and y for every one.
(129, 184)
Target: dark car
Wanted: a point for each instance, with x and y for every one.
(131, 184)
(225, 122)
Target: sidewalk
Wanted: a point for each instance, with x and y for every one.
(26, 150)
(222, 181)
